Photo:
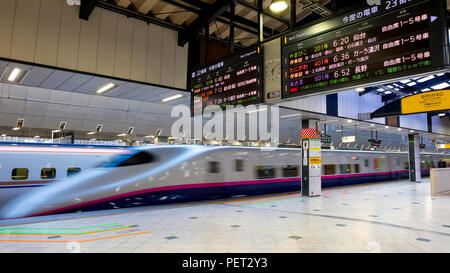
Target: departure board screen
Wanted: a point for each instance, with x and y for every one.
(376, 44)
(235, 80)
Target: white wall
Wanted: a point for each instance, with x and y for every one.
(49, 32)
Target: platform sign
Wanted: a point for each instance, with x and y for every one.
(232, 81)
(348, 139)
(426, 102)
(442, 146)
(372, 45)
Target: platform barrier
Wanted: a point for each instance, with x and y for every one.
(440, 181)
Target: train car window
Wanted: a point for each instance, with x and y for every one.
(213, 167)
(239, 165)
(345, 168)
(366, 163)
(19, 174)
(73, 170)
(356, 166)
(406, 165)
(264, 172)
(290, 171)
(48, 173)
(138, 158)
(329, 169)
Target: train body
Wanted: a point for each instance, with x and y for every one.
(175, 173)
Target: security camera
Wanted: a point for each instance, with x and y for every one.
(73, 2)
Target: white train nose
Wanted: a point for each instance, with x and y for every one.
(51, 198)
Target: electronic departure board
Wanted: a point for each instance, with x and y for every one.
(379, 43)
(235, 80)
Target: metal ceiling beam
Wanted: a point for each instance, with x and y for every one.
(137, 15)
(205, 17)
(86, 8)
(255, 8)
(226, 14)
(149, 19)
(237, 18)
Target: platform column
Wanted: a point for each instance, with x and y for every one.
(414, 158)
(311, 159)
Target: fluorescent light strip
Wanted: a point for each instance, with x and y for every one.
(171, 98)
(440, 86)
(294, 115)
(13, 75)
(426, 78)
(105, 88)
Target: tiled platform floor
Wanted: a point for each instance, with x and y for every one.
(396, 216)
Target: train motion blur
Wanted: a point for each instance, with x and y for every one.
(175, 173)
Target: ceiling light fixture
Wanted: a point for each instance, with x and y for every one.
(13, 75)
(278, 5)
(426, 79)
(440, 86)
(171, 98)
(19, 124)
(106, 88)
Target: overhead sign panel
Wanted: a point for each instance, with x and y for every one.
(426, 102)
(379, 43)
(232, 81)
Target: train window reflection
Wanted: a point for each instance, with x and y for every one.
(73, 170)
(263, 172)
(48, 173)
(123, 160)
(239, 165)
(329, 169)
(290, 171)
(213, 167)
(356, 167)
(19, 174)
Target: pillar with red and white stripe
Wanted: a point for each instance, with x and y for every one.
(311, 158)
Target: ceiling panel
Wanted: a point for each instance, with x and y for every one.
(75, 81)
(56, 79)
(36, 76)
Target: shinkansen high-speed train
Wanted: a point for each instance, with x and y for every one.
(174, 173)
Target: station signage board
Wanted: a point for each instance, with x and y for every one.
(426, 102)
(442, 146)
(381, 43)
(348, 139)
(236, 80)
